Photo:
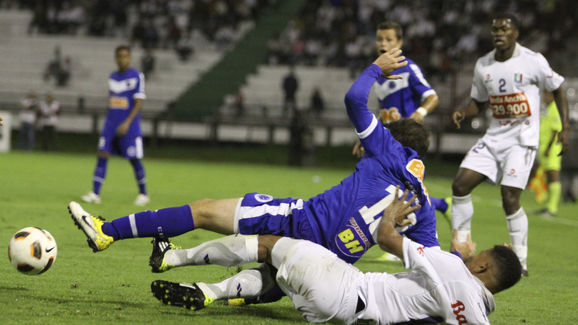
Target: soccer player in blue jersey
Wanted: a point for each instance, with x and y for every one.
(343, 219)
(121, 134)
(410, 96)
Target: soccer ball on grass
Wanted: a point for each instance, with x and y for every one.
(32, 250)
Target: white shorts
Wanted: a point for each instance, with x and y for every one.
(508, 166)
(321, 286)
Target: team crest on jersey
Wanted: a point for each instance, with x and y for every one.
(263, 198)
(488, 77)
(518, 78)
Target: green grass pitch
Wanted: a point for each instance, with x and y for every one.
(113, 287)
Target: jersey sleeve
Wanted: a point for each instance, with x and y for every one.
(548, 78)
(374, 137)
(417, 257)
(479, 91)
(418, 84)
(140, 88)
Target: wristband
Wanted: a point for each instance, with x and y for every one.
(421, 111)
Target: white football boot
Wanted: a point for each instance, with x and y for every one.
(91, 197)
(141, 200)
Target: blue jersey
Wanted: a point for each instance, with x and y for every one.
(345, 217)
(124, 88)
(400, 98)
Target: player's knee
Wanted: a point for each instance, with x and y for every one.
(460, 188)
(201, 209)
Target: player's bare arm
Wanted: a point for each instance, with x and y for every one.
(395, 215)
(124, 126)
(390, 61)
(473, 108)
(429, 105)
(562, 104)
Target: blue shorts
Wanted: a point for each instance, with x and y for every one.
(262, 214)
(128, 146)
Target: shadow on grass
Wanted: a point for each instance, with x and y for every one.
(228, 313)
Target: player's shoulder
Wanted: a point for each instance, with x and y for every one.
(486, 59)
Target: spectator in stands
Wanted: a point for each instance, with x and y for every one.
(147, 63)
(63, 74)
(317, 102)
(290, 87)
(27, 117)
(48, 115)
(239, 103)
(184, 47)
(54, 65)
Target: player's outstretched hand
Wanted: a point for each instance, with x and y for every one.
(390, 61)
(400, 208)
(466, 249)
(458, 117)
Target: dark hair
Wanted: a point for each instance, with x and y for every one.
(122, 48)
(391, 25)
(508, 265)
(411, 134)
(508, 15)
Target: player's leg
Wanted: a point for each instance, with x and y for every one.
(478, 165)
(517, 222)
(131, 148)
(517, 167)
(226, 251)
(105, 143)
(214, 215)
(553, 165)
(462, 210)
(321, 286)
(554, 192)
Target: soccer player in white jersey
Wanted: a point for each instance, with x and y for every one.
(509, 80)
(121, 134)
(441, 287)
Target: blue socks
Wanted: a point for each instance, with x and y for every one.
(99, 174)
(439, 204)
(160, 223)
(139, 174)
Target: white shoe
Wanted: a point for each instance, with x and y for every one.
(91, 197)
(142, 199)
(91, 226)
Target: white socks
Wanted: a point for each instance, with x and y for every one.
(226, 251)
(461, 215)
(247, 283)
(518, 229)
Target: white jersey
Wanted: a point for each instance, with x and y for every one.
(512, 89)
(440, 288)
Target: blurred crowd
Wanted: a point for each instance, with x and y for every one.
(41, 113)
(150, 23)
(438, 34)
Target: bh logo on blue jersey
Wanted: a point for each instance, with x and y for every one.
(351, 241)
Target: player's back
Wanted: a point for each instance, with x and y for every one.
(348, 214)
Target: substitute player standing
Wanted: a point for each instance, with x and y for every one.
(509, 79)
(121, 134)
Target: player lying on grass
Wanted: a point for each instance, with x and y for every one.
(343, 219)
(440, 287)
